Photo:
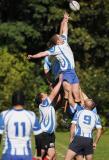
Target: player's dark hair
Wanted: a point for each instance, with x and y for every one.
(38, 99)
(18, 98)
(54, 39)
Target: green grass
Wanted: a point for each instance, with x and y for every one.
(101, 152)
(62, 141)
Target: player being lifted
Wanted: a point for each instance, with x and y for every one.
(62, 52)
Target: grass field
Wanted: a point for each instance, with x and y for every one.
(101, 153)
(62, 141)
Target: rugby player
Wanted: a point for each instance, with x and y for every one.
(81, 141)
(64, 55)
(48, 121)
(17, 125)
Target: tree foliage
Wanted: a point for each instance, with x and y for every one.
(17, 73)
(27, 25)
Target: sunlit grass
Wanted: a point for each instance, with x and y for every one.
(62, 141)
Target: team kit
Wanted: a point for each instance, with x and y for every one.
(17, 124)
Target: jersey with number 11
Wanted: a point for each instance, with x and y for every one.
(18, 126)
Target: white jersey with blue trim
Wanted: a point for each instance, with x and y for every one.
(18, 125)
(79, 107)
(47, 116)
(47, 63)
(52, 65)
(63, 54)
(86, 121)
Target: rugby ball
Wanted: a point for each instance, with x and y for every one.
(74, 5)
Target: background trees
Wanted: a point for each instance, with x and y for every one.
(27, 25)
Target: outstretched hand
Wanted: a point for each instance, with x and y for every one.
(66, 15)
(29, 56)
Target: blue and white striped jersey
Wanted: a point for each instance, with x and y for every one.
(47, 63)
(86, 121)
(47, 116)
(17, 126)
(79, 107)
(54, 66)
(63, 54)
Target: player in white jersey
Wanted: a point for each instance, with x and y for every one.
(48, 119)
(63, 53)
(81, 141)
(53, 67)
(17, 125)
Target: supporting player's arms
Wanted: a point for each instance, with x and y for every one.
(98, 135)
(56, 89)
(48, 79)
(38, 55)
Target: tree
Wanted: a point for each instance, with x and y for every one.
(18, 73)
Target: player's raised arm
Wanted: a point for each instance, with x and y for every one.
(56, 89)
(64, 24)
(38, 55)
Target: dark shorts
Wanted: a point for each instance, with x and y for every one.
(10, 157)
(48, 140)
(70, 76)
(82, 145)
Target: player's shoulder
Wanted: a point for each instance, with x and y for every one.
(30, 113)
(64, 36)
(54, 49)
(45, 103)
(93, 114)
(78, 113)
(6, 112)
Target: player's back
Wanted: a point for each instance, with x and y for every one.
(18, 128)
(86, 121)
(47, 116)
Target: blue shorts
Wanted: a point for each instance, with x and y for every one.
(82, 145)
(70, 76)
(15, 157)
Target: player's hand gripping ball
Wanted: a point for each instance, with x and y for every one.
(74, 5)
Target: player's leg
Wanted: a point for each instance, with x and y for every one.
(88, 149)
(79, 157)
(68, 92)
(76, 92)
(71, 77)
(51, 150)
(89, 157)
(70, 155)
(68, 99)
(51, 153)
